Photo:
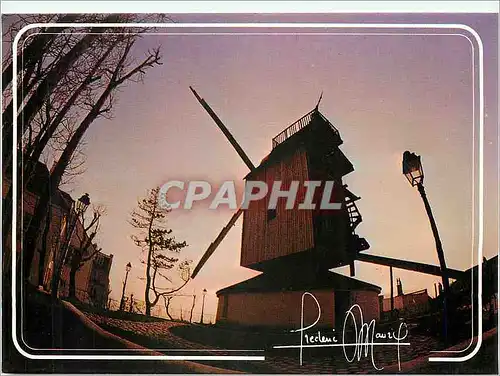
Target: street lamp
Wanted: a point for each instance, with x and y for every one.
(203, 305)
(79, 207)
(412, 169)
(82, 204)
(128, 267)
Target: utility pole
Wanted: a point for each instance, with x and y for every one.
(392, 290)
(122, 301)
(203, 305)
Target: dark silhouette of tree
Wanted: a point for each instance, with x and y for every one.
(167, 300)
(87, 249)
(72, 83)
(160, 248)
(192, 308)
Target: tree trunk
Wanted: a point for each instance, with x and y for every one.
(44, 89)
(148, 285)
(65, 158)
(60, 255)
(37, 149)
(34, 50)
(192, 308)
(31, 236)
(148, 269)
(76, 264)
(56, 277)
(167, 305)
(72, 282)
(146, 296)
(43, 249)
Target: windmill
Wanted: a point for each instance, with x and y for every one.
(350, 210)
(295, 249)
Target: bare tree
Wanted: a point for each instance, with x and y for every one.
(46, 79)
(67, 78)
(104, 103)
(160, 248)
(192, 308)
(87, 249)
(167, 300)
(36, 47)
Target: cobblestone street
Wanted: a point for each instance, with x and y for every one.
(173, 337)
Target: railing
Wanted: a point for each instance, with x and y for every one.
(298, 125)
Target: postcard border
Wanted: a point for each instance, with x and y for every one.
(254, 25)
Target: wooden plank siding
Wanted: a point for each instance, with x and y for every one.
(283, 308)
(276, 309)
(265, 240)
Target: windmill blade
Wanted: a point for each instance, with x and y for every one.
(224, 130)
(213, 246)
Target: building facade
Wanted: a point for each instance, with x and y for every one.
(411, 304)
(276, 301)
(52, 241)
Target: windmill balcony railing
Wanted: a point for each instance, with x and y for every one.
(298, 125)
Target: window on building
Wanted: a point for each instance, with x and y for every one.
(98, 261)
(271, 214)
(105, 264)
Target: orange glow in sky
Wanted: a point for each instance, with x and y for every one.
(385, 94)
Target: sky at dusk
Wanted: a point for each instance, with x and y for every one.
(385, 94)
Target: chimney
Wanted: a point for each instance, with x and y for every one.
(399, 286)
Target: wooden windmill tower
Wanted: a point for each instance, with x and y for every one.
(295, 248)
(284, 239)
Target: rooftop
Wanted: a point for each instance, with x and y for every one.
(321, 280)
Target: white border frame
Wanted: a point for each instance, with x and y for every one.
(466, 28)
(246, 7)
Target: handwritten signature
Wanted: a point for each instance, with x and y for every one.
(364, 334)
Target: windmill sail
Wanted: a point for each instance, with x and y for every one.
(224, 130)
(213, 246)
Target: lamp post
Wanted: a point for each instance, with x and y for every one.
(412, 169)
(79, 207)
(128, 267)
(82, 204)
(203, 305)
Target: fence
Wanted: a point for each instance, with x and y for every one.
(179, 314)
(300, 124)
